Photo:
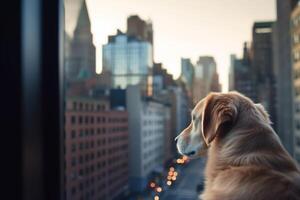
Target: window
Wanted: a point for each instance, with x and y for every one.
(123, 107)
(73, 119)
(73, 134)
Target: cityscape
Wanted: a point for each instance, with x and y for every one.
(120, 125)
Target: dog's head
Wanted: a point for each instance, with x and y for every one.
(213, 117)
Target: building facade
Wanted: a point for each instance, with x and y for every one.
(147, 119)
(139, 28)
(242, 74)
(295, 34)
(187, 74)
(81, 61)
(263, 67)
(206, 78)
(284, 70)
(128, 59)
(96, 150)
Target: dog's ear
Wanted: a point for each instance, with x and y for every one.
(263, 112)
(219, 115)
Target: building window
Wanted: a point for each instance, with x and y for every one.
(73, 119)
(73, 147)
(73, 134)
(86, 120)
(80, 120)
(73, 162)
(74, 105)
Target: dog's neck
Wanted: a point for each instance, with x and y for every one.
(250, 146)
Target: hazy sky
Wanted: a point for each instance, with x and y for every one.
(184, 28)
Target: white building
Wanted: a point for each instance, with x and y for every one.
(146, 137)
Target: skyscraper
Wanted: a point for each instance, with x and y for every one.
(242, 74)
(206, 78)
(283, 66)
(139, 28)
(263, 68)
(81, 63)
(129, 59)
(187, 74)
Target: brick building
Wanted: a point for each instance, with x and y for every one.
(96, 149)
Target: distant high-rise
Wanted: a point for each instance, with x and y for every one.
(263, 68)
(242, 75)
(161, 78)
(129, 59)
(81, 62)
(140, 28)
(205, 77)
(283, 66)
(187, 74)
(295, 25)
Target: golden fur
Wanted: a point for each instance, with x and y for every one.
(246, 160)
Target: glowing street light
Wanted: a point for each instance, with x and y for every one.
(159, 189)
(152, 184)
(169, 183)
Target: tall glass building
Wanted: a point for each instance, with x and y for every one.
(128, 59)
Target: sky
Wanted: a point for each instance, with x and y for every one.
(183, 28)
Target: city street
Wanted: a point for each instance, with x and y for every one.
(186, 184)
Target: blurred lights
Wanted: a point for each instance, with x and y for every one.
(152, 184)
(184, 158)
(169, 183)
(159, 189)
(156, 197)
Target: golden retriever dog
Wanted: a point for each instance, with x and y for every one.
(246, 159)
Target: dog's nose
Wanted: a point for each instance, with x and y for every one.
(190, 153)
